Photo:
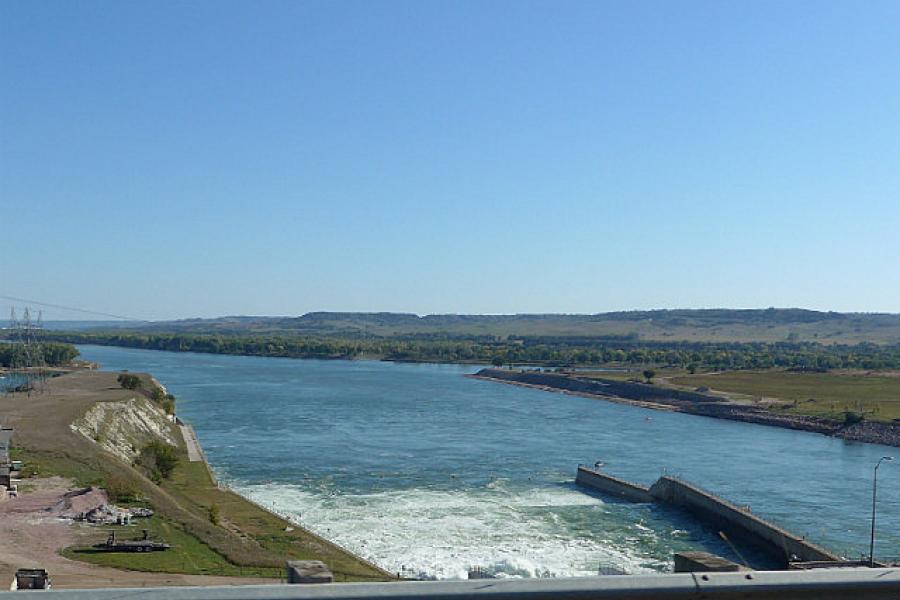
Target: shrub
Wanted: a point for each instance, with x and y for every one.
(214, 515)
(120, 489)
(158, 459)
(852, 418)
(128, 381)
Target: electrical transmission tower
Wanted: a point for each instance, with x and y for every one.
(28, 359)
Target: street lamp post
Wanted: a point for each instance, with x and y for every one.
(874, 490)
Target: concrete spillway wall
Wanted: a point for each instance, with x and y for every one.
(738, 522)
(612, 486)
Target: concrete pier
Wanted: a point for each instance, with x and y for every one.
(612, 486)
(742, 525)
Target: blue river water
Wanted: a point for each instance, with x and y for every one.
(10, 381)
(426, 471)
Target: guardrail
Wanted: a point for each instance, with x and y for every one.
(825, 584)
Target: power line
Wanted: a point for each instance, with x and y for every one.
(74, 309)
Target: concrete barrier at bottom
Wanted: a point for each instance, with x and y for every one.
(820, 584)
(308, 571)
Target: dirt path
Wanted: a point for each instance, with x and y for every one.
(32, 536)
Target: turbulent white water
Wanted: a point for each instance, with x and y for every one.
(442, 534)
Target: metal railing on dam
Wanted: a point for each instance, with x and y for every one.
(825, 584)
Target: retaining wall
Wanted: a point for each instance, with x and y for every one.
(613, 486)
(740, 523)
(781, 543)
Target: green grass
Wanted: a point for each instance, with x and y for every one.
(187, 554)
(191, 484)
(39, 463)
(816, 394)
(262, 535)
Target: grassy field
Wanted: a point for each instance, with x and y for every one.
(187, 555)
(816, 394)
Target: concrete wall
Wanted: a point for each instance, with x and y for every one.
(704, 562)
(742, 525)
(737, 521)
(834, 584)
(612, 486)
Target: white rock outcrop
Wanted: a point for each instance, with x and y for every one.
(126, 426)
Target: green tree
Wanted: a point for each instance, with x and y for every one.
(128, 381)
(649, 374)
(158, 459)
(158, 395)
(168, 404)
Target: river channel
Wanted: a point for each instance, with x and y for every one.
(428, 472)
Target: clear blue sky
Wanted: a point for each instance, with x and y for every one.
(177, 159)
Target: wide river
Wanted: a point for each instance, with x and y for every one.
(428, 472)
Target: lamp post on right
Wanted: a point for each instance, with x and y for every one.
(874, 490)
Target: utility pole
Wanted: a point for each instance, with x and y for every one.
(874, 491)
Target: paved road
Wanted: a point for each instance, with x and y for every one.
(193, 446)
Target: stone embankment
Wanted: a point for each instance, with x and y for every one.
(695, 403)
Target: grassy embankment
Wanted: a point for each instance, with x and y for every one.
(187, 555)
(830, 395)
(245, 538)
(255, 532)
(876, 395)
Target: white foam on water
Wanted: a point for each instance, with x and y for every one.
(442, 534)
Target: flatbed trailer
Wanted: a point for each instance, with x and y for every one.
(144, 544)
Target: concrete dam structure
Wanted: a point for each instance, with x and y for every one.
(738, 522)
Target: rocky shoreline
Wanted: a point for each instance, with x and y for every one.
(695, 403)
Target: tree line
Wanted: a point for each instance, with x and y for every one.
(555, 352)
(51, 354)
